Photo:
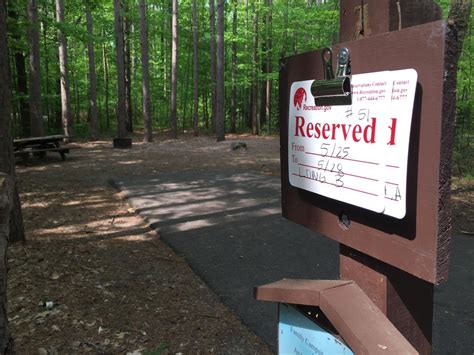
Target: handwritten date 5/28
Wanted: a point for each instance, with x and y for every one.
(324, 165)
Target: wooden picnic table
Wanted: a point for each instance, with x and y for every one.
(40, 145)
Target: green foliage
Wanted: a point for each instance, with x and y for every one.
(464, 134)
(296, 27)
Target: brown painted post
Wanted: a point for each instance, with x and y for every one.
(405, 299)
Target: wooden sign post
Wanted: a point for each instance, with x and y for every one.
(394, 255)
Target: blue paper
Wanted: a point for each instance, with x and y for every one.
(299, 335)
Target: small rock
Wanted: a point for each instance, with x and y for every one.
(42, 351)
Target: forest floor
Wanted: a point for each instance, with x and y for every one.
(112, 284)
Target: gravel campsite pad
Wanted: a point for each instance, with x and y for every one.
(93, 277)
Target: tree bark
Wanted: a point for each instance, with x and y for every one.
(268, 94)
(94, 119)
(36, 118)
(220, 93)
(285, 26)
(213, 69)
(233, 103)
(46, 109)
(21, 80)
(195, 71)
(6, 197)
(128, 71)
(459, 16)
(105, 66)
(174, 69)
(66, 117)
(7, 161)
(255, 125)
(147, 136)
(121, 94)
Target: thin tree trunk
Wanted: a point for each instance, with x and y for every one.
(268, 94)
(185, 101)
(105, 66)
(128, 72)
(147, 136)
(213, 69)
(94, 119)
(21, 81)
(220, 93)
(255, 125)
(174, 69)
(233, 104)
(75, 97)
(47, 109)
(195, 71)
(285, 26)
(263, 88)
(36, 118)
(121, 94)
(66, 118)
(206, 111)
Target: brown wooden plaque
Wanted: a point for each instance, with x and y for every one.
(418, 243)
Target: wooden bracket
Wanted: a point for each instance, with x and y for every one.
(357, 319)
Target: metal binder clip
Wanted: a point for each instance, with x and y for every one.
(334, 90)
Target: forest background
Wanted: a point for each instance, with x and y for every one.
(256, 34)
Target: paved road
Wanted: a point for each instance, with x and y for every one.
(229, 228)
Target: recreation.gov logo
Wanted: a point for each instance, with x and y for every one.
(300, 97)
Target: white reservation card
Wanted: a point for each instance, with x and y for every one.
(357, 153)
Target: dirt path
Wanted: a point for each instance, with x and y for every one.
(116, 287)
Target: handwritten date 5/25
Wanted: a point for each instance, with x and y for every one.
(334, 151)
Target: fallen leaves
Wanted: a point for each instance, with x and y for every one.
(110, 293)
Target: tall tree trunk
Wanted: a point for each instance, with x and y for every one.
(220, 93)
(75, 98)
(128, 71)
(21, 80)
(268, 94)
(6, 197)
(459, 14)
(195, 71)
(255, 125)
(147, 136)
(36, 118)
(174, 69)
(121, 94)
(263, 88)
(94, 119)
(212, 22)
(105, 66)
(285, 26)
(205, 99)
(7, 162)
(233, 103)
(66, 117)
(51, 122)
